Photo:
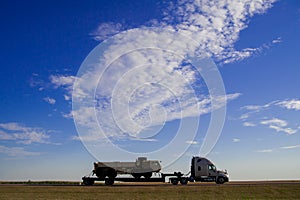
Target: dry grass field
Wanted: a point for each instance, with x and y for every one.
(233, 190)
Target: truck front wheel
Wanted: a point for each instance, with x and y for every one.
(220, 180)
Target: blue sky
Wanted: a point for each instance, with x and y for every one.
(46, 48)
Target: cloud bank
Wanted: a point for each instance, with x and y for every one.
(155, 83)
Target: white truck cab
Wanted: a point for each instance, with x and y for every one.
(204, 170)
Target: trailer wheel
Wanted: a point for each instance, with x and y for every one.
(220, 180)
(183, 181)
(147, 175)
(109, 181)
(136, 176)
(174, 181)
(88, 182)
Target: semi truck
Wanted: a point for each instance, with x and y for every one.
(202, 170)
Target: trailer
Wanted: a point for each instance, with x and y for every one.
(202, 170)
(140, 168)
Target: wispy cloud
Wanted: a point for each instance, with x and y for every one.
(138, 96)
(23, 134)
(62, 81)
(249, 124)
(217, 24)
(235, 140)
(253, 113)
(49, 100)
(106, 30)
(265, 151)
(293, 104)
(279, 125)
(275, 122)
(278, 149)
(258, 108)
(191, 142)
(17, 151)
(277, 40)
(291, 147)
(65, 82)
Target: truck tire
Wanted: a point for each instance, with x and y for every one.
(136, 176)
(147, 175)
(174, 181)
(109, 181)
(184, 181)
(220, 180)
(88, 182)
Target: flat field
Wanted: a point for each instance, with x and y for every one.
(232, 190)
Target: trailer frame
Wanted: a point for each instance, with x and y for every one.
(175, 178)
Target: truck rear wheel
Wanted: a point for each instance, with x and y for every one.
(174, 181)
(183, 181)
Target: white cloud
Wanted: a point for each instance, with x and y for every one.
(49, 100)
(151, 82)
(274, 121)
(254, 109)
(22, 134)
(67, 97)
(105, 30)
(279, 125)
(217, 24)
(278, 149)
(291, 147)
(288, 131)
(293, 104)
(62, 80)
(249, 124)
(258, 108)
(67, 115)
(265, 151)
(17, 151)
(255, 112)
(65, 82)
(277, 40)
(236, 140)
(151, 85)
(5, 136)
(145, 139)
(191, 142)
